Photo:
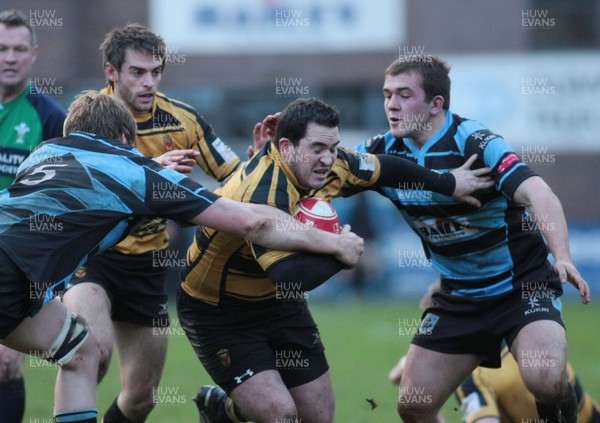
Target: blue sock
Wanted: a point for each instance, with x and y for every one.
(12, 400)
(79, 416)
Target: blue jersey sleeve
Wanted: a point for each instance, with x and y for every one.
(496, 153)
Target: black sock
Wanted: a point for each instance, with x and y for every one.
(115, 415)
(563, 412)
(12, 400)
(79, 416)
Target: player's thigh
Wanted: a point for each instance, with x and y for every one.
(315, 400)
(264, 397)
(90, 301)
(430, 377)
(142, 351)
(35, 335)
(540, 349)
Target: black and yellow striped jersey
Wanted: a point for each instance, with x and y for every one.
(228, 271)
(173, 125)
(501, 393)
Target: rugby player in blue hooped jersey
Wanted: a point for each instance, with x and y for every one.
(78, 195)
(27, 117)
(496, 280)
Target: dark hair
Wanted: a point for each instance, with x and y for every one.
(16, 18)
(132, 36)
(299, 113)
(433, 71)
(101, 114)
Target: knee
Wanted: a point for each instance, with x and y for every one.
(549, 387)
(86, 356)
(105, 355)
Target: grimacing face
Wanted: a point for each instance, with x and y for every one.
(137, 81)
(17, 57)
(311, 161)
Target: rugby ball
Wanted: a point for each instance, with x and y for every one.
(319, 214)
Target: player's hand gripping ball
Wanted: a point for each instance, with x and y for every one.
(319, 214)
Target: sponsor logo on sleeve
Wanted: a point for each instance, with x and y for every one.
(507, 162)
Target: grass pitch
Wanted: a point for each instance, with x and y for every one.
(363, 340)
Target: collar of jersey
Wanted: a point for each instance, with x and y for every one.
(421, 153)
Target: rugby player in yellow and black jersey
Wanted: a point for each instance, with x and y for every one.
(121, 292)
(243, 306)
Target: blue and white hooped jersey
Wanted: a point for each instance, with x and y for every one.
(79, 195)
(478, 251)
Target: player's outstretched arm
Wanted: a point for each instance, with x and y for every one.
(545, 206)
(459, 183)
(274, 229)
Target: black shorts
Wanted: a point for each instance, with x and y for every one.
(456, 324)
(235, 345)
(134, 284)
(15, 298)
